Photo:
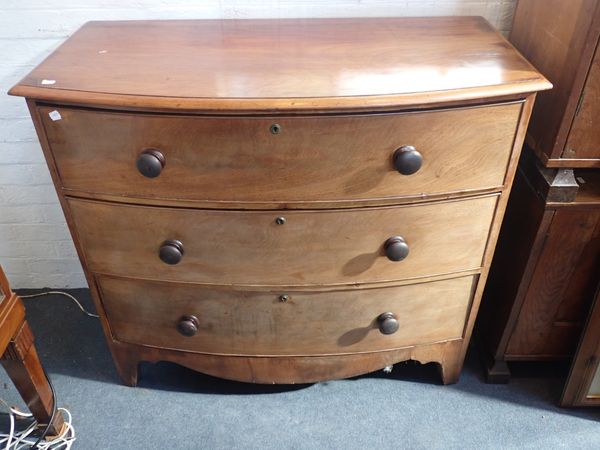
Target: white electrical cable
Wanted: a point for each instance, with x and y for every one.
(8, 437)
(85, 311)
(11, 434)
(20, 440)
(25, 433)
(16, 412)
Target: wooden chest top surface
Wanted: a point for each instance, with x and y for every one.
(283, 64)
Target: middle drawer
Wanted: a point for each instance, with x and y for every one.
(283, 247)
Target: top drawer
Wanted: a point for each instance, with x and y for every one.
(265, 161)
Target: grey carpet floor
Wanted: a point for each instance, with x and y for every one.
(176, 408)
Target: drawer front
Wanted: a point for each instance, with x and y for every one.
(306, 159)
(259, 323)
(282, 247)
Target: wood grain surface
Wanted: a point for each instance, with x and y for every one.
(238, 322)
(287, 64)
(339, 159)
(584, 137)
(559, 38)
(561, 288)
(324, 247)
(582, 387)
(589, 189)
(289, 369)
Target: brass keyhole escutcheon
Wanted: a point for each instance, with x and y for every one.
(284, 298)
(275, 128)
(280, 220)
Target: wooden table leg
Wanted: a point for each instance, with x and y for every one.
(21, 362)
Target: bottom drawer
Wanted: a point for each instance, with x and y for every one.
(242, 322)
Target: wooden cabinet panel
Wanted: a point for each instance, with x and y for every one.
(545, 270)
(552, 35)
(560, 38)
(584, 138)
(558, 295)
(594, 390)
(583, 384)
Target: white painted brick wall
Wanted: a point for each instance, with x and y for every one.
(35, 246)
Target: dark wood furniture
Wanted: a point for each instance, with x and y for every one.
(561, 39)
(547, 263)
(284, 201)
(21, 361)
(583, 385)
(545, 270)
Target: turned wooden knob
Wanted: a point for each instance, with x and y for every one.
(171, 252)
(150, 163)
(188, 325)
(407, 160)
(396, 248)
(388, 323)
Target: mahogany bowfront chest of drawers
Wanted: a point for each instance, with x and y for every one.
(284, 201)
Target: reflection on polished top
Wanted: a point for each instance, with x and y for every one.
(282, 64)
